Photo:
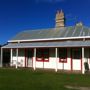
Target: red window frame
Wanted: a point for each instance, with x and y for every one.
(42, 54)
(63, 51)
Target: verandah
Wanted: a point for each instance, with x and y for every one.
(42, 56)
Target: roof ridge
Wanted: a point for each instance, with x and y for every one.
(45, 29)
(39, 29)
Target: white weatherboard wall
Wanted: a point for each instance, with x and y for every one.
(50, 64)
(52, 61)
(76, 59)
(21, 61)
(67, 65)
(76, 64)
(21, 58)
(39, 64)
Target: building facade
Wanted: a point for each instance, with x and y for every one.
(59, 48)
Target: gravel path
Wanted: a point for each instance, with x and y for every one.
(77, 88)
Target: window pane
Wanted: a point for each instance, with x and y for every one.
(30, 53)
(42, 54)
(76, 53)
(63, 54)
(39, 54)
(46, 54)
(21, 52)
(14, 52)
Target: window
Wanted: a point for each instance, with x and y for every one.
(63, 55)
(45, 54)
(21, 52)
(76, 53)
(42, 55)
(39, 55)
(14, 52)
(30, 53)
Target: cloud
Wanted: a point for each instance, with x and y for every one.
(50, 1)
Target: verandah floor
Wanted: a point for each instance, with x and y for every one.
(47, 69)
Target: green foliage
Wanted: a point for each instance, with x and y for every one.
(27, 79)
(86, 67)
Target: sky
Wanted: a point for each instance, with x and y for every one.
(21, 15)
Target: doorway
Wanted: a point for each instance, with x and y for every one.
(76, 59)
(6, 57)
(29, 57)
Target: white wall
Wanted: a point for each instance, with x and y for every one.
(67, 65)
(52, 61)
(76, 64)
(21, 58)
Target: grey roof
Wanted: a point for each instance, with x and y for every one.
(73, 31)
(49, 44)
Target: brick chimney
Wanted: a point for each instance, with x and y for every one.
(60, 22)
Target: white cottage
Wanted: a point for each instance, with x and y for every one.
(59, 48)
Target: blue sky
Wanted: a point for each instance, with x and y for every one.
(19, 15)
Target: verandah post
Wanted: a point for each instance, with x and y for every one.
(34, 62)
(11, 58)
(1, 61)
(56, 59)
(83, 69)
(17, 58)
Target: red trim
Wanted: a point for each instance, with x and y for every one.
(71, 58)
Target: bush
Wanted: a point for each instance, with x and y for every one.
(86, 67)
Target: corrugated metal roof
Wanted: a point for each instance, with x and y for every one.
(65, 32)
(49, 44)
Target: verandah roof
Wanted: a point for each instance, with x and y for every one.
(49, 44)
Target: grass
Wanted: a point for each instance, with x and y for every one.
(25, 79)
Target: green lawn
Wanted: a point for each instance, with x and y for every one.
(25, 79)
